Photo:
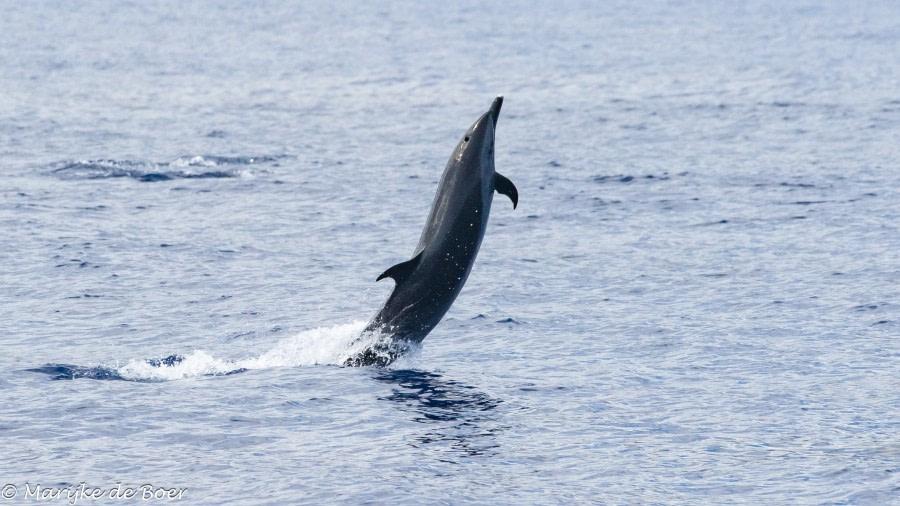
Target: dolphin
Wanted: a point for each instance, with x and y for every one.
(426, 285)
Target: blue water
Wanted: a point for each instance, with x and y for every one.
(696, 301)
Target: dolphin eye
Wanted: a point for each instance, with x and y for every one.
(466, 139)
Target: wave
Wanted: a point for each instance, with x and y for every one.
(321, 346)
(187, 167)
(627, 178)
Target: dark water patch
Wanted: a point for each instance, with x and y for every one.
(792, 186)
(149, 178)
(534, 387)
(784, 104)
(240, 334)
(815, 202)
(31, 206)
(75, 262)
(71, 372)
(435, 398)
(711, 223)
(195, 167)
(456, 416)
(628, 178)
(797, 185)
(613, 178)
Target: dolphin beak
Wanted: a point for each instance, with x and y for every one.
(495, 108)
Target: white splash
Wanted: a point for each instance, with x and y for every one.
(320, 346)
(193, 161)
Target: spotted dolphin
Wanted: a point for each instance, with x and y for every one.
(427, 284)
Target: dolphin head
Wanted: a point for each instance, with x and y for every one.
(475, 152)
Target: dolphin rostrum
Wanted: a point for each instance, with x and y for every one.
(428, 283)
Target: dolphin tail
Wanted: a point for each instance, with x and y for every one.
(506, 187)
(402, 270)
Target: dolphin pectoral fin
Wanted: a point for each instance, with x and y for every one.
(402, 270)
(506, 187)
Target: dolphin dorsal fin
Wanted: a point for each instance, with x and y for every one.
(402, 270)
(506, 187)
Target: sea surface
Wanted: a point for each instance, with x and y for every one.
(697, 300)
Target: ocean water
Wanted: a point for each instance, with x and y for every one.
(696, 301)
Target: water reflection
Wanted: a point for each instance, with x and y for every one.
(457, 416)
